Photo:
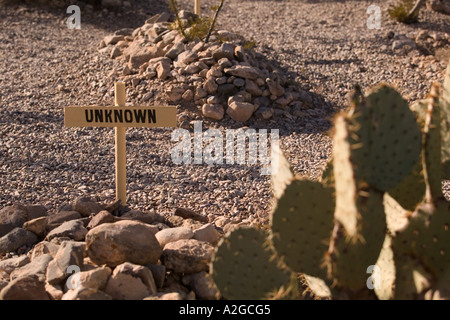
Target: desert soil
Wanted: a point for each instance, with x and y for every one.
(325, 45)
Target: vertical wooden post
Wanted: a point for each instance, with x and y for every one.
(121, 157)
(197, 7)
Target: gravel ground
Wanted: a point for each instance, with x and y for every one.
(326, 45)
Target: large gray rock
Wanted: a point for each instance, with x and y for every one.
(245, 72)
(100, 218)
(226, 50)
(10, 264)
(173, 234)
(275, 88)
(252, 88)
(12, 217)
(96, 278)
(159, 273)
(25, 288)
(122, 241)
(36, 211)
(131, 282)
(143, 217)
(70, 253)
(240, 111)
(187, 256)
(210, 85)
(86, 206)
(176, 49)
(55, 220)
(44, 247)
(38, 226)
(73, 229)
(213, 111)
(203, 285)
(140, 55)
(15, 239)
(37, 266)
(207, 233)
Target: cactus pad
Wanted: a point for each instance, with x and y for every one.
(432, 146)
(386, 267)
(411, 279)
(302, 223)
(243, 268)
(344, 180)
(385, 139)
(426, 238)
(317, 286)
(411, 191)
(396, 216)
(283, 176)
(351, 256)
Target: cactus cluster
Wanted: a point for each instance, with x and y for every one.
(375, 226)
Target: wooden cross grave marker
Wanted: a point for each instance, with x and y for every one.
(120, 117)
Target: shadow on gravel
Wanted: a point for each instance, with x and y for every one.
(29, 117)
(110, 20)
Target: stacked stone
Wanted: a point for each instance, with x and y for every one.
(219, 77)
(89, 251)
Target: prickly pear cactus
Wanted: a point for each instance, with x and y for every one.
(243, 266)
(344, 178)
(384, 137)
(351, 255)
(385, 279)
(432, 146)
(411, 191)
(301, 226)
(379, 202)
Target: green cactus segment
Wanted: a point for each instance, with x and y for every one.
(411, 279)
(427, 238)
(411, 191)
(351, 256)
(385, 279)
(344, 180)
(301, 226)
(385, 139)
(243, 268)
(432, 146)
(396, 216)
(283, 176)
(433, 240)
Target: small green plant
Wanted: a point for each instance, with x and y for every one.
(196, 27)
(406, 11)
(249, 44)
(178, 24)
